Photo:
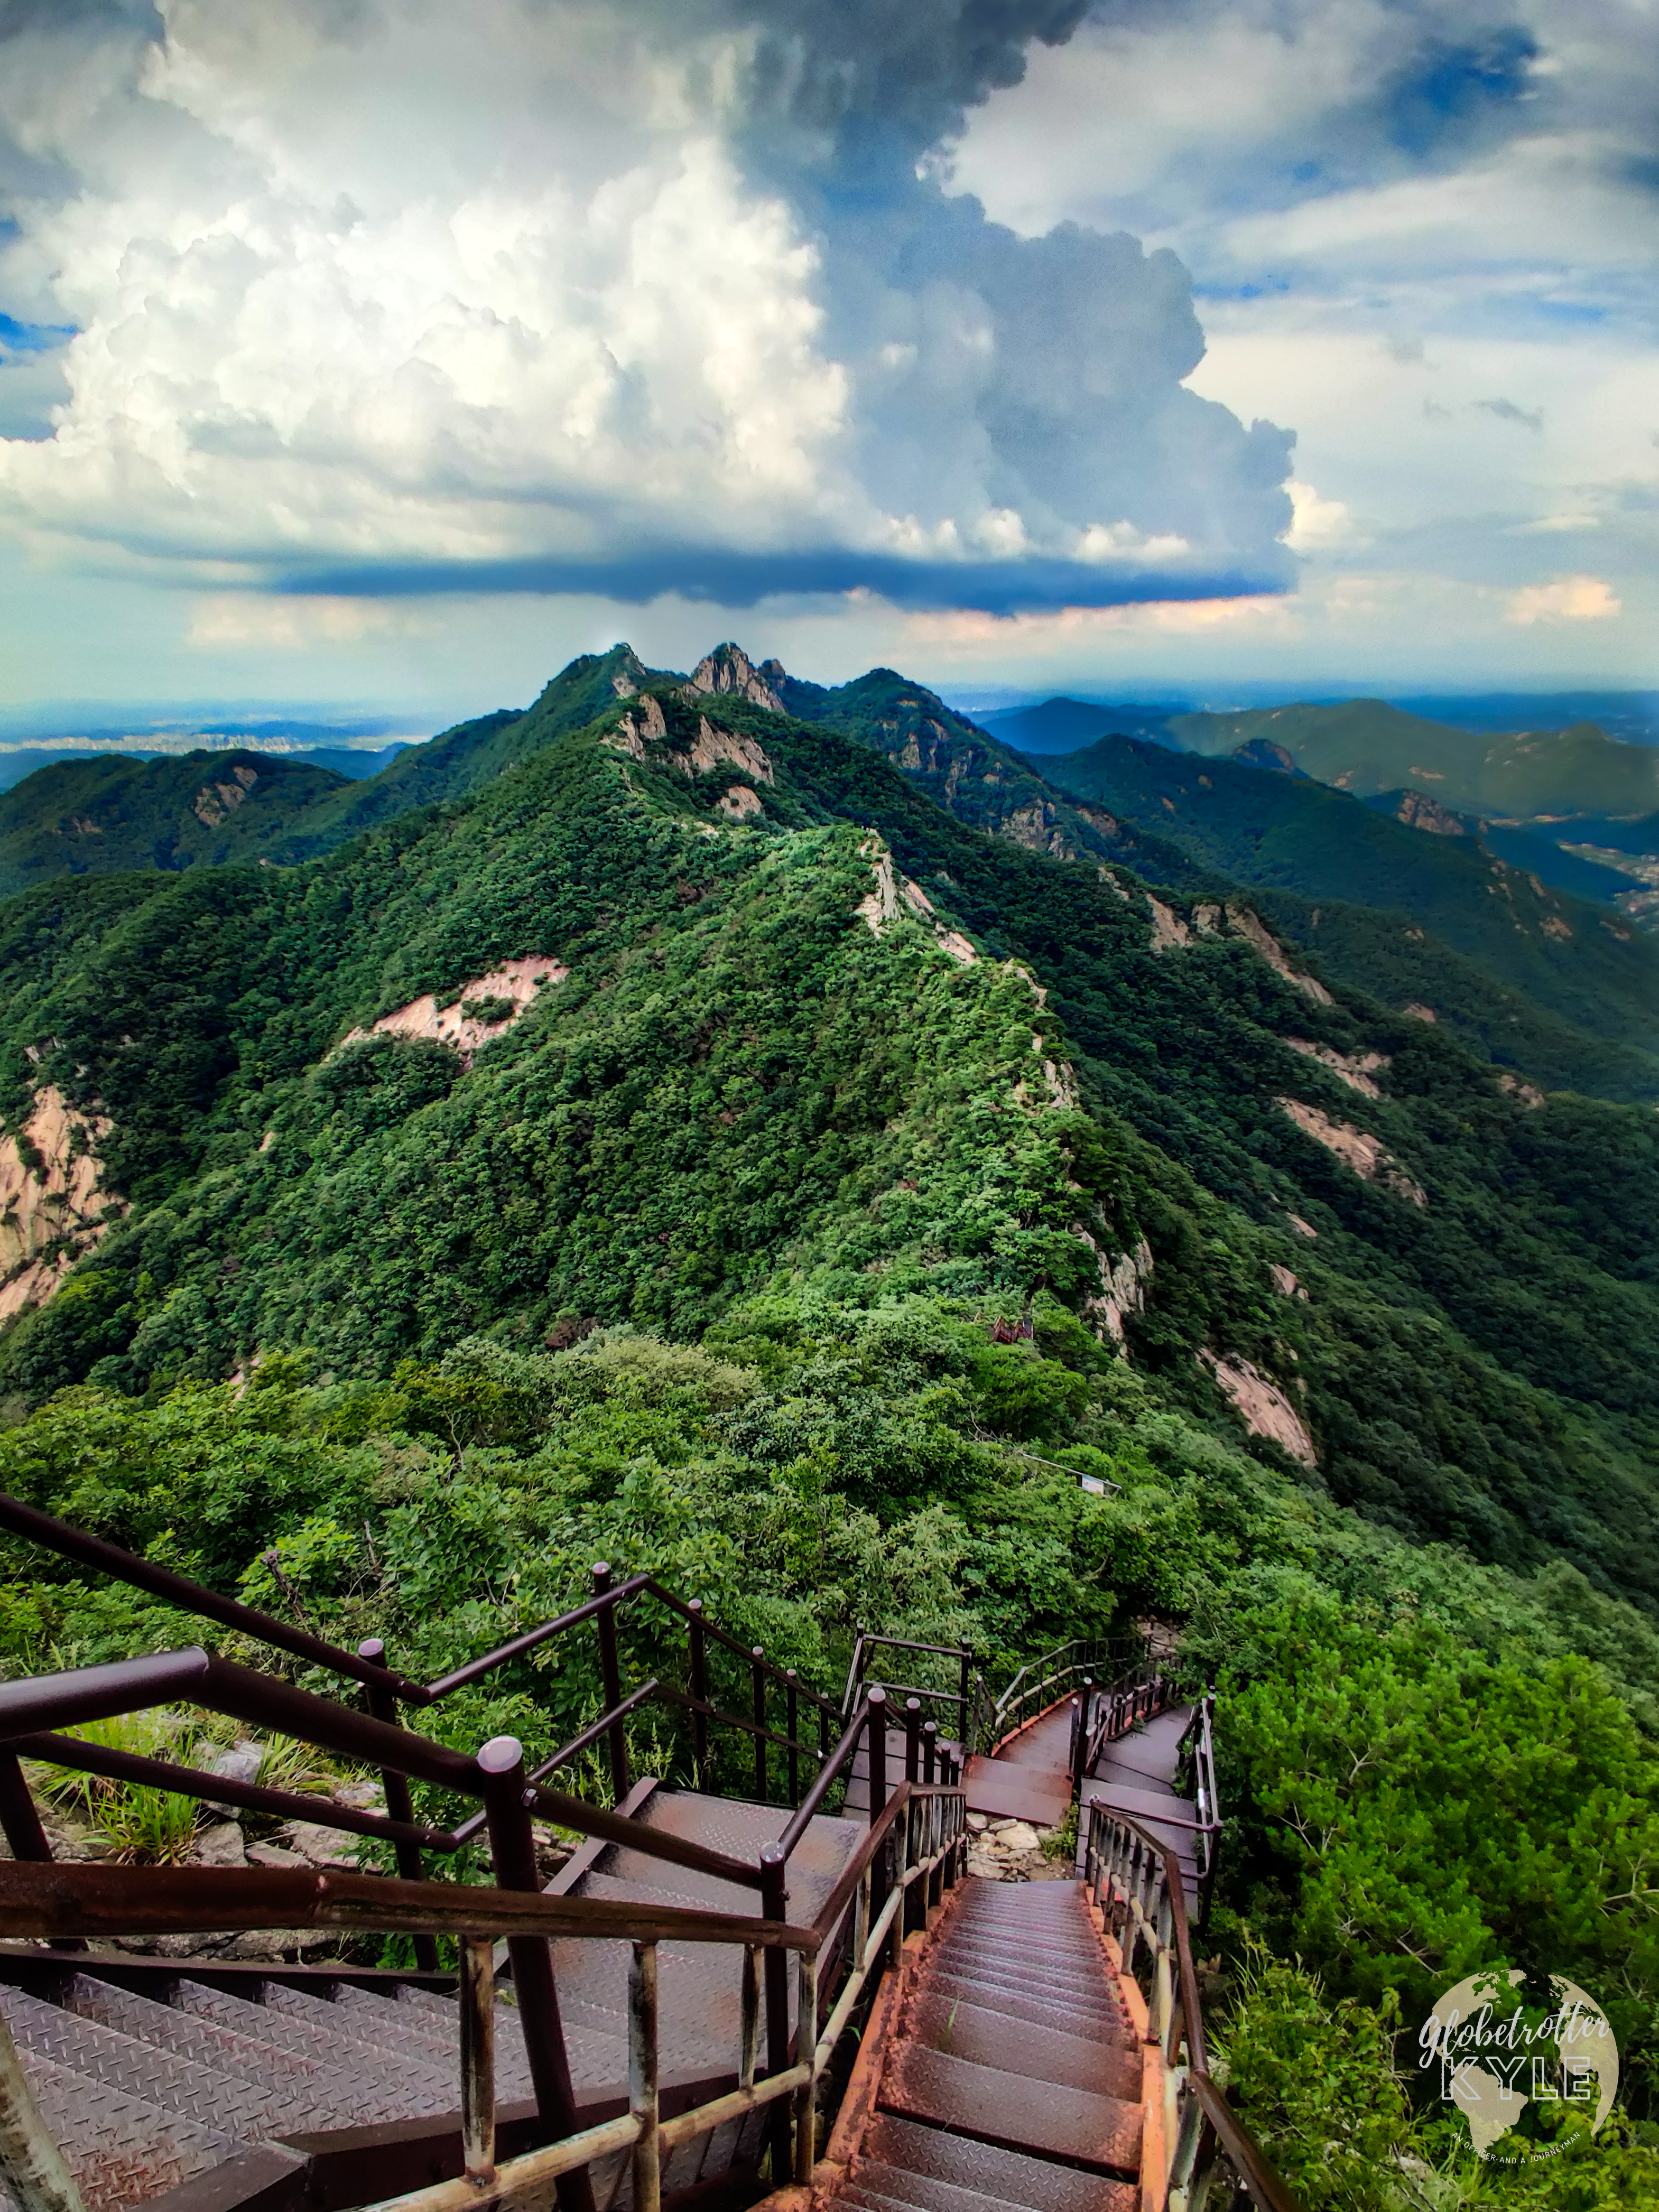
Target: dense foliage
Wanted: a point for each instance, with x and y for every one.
(692, 1266)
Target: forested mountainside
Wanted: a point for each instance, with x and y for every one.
(1365, 746)
(702, 1001)
(101, 814)
(631, 1153)
(1417, 861)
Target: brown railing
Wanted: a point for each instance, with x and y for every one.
(1137, 1883)
(861, 1676)
(906, 1862)
(1042, 1683)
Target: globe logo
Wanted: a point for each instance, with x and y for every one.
(1492, 2054)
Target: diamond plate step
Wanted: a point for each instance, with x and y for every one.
(120, 2149)
(896, 2148)
(1038, 2010)
(1046, 2054)
(1012, 2110)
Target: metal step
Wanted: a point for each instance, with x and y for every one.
(995, 2105)
(1032, 2007)
(380, 2016)
(1046, 2054)
(896, 2148)
(120, 2148)
(1088, 1993)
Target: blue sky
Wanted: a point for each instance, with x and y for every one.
(353, 351)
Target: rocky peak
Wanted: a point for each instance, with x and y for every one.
(1418, 812)
(729, 669)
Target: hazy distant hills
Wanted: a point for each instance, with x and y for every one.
(1367, 746)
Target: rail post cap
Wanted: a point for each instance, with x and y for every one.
(601, 1566)
(372, 1648)
(694, 1605)
(773, 1854)
(501, 1754)
(913, 1704)
(878, 1696)
(757, 1651)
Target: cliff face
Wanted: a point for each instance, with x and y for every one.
(53, 1208)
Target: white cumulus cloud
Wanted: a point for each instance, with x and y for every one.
(1569, 599)
(370, 297)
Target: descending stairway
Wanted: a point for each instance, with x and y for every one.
(148, 2075)
(1015, 2075)
(1136, 1776)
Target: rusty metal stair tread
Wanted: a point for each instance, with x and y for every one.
(1013, 2005)
(418, 2072)
(991, 1962)
(222, 2103)
(923, 2155)
(264, 2023)
(315, 2095)
(382, 2016)
(988, 2039)
(1013, 2111)
(118, 2146)
(1087, 1992)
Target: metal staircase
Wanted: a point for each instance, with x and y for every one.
(671, 2016)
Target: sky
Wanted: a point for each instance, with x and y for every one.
(378, 355)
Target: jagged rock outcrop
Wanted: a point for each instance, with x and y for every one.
(1418, 812)
(1355, 1069)
(728, 669)
(53, 1208)
(1264, 1408)
(1356, 1148)
(514, 984)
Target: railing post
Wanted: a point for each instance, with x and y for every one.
(875, 1744)
(757, 1714)
(611, 1676)
(929, 1750)
(899, 1927)
(806, 2043)
(383, 1706)
(20, 1820)
(477, 1996)
(774, 1905)
(642, 2100)
(913, 1739)
(1080, 1742)
(791, 1729)
(749, 2031)
(698, 1657)
(513, 1848)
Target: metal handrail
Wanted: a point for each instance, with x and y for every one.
(922, 1827)
(1136, 1882)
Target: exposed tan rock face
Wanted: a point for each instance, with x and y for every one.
(712, 745)
(1354, 1068)
(728, 669)
(1170, 933)
(892, 891)
(1251, 927)
(1527, 1093)
(1357, 1149)
(517, 979)
(53, 1208)
(1419, 811)
(214, 801)
(1266, 1410)
(1420, 1013)
(639, 726)
(1302, 1228)
(1285, 1282)
(737, 802)
(1122, 1284)
(1036, 826)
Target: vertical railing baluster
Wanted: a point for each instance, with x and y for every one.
(774, 1905)
(791, 1729)
(913, 1739)
(610, 1676)
(749, 2032)
(861, 1922)
(876, 1752)
(513, 1849)
(642, 2100)
(382, 1703)
(697, 1656)
(477, 1998)
(758, 1687)
(897, 1929)
(823, 1734)
(807, 2044)
(929, 1750)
